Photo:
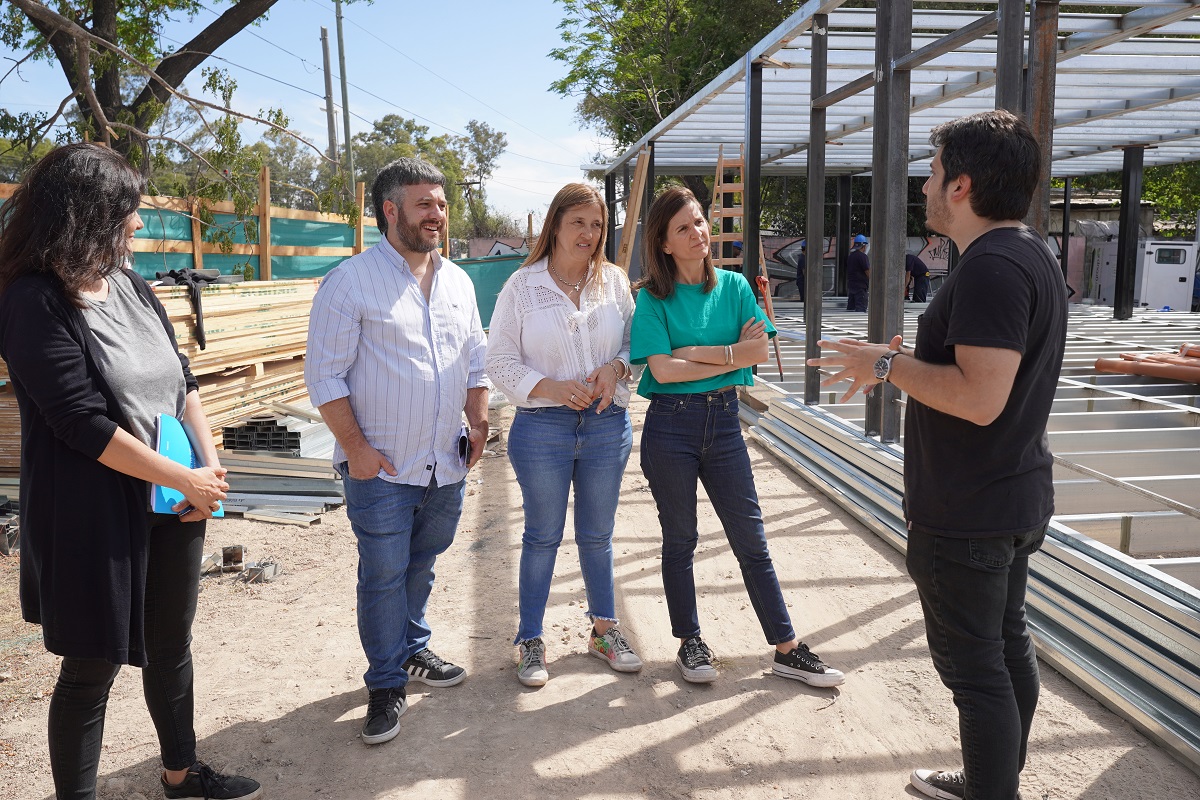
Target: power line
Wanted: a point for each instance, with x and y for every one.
(450, 83)
(411, 113)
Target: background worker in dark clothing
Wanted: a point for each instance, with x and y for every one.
(800, 269)
(918, 278)
(858, 271)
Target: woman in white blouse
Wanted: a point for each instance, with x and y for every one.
(558, 347)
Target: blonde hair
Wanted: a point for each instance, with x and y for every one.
(568, 197)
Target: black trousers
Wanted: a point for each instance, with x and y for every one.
(81, 694)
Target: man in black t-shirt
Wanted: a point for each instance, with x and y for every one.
(978, 490)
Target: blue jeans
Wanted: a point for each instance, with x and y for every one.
(552, 449)
(400, 529)
(698, 436)
(973, 595)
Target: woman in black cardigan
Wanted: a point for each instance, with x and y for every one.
(92, 356)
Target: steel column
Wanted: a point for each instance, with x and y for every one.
(889, 202)
(842, 245)
(1043, 52)
(1127, 237)
(649, 182)
(610, 200)
(1064, 252)
(752, 171)
(1010, 54)
(814, 228)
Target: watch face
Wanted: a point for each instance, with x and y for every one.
(882, 367)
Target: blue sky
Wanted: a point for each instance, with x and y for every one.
(440, 63)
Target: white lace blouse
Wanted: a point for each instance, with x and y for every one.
(537, 332)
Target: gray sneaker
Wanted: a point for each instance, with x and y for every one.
(614, 650)
(532, 669)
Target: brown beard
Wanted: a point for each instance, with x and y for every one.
(412, 237)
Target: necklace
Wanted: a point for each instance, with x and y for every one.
(574, 286)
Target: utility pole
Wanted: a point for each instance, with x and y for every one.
(329, 114)
(349, 171)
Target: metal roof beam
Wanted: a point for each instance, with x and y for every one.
(1135, 23)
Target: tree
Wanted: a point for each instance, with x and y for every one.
(482, 147)
(632, 62)
(97, 42)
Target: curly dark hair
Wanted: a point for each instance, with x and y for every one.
(67, 218)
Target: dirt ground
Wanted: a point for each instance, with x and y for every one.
(280, 694)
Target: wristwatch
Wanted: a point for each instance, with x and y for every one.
(883, 365)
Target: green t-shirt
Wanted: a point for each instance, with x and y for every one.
(690, 317)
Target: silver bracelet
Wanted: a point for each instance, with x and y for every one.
(728, 354)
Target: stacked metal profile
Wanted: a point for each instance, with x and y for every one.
(279, 433)
(1128, 635)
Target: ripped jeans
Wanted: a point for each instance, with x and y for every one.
(551, 450)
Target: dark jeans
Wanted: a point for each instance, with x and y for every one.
(856, 300)
(973, 595)
(920, 290)
(81, 693)
(698, 436)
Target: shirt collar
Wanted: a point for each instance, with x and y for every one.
(400, 262)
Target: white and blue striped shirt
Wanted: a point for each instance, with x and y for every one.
(404, 364)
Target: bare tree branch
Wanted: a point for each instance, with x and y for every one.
(17, 64)
(177, 66)
(83, 62)
(54, 22)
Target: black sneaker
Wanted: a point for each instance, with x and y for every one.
(802, 664)
(205, 782)
(943, 785)
(695, 661)
(384, 709)
(431, 670)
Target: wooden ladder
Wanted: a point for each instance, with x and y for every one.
(718, 212)
(633, 210)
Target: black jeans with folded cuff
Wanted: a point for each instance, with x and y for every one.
(76, 724)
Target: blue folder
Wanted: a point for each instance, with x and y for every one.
(173, 443)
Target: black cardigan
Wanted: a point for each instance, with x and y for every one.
(84, 527)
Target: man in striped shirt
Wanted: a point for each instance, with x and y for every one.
(395, 358)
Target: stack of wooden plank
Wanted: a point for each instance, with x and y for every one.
(254, 355)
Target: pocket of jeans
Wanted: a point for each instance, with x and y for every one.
(343, 469)
(537, 410)
(664, 405)
(731, 408)
(992, 552)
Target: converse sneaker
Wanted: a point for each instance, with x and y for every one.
(203, 781)
(615, 650)
(940, 784)
(695, 661)
(384, 709)
(802, 664)
(431, 670)
(532, 669)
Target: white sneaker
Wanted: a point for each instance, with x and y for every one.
(532, 669)
(614, 650)
(939, 784)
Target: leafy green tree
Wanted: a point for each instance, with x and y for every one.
(631, 63)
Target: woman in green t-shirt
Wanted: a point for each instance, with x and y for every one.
(699, 330)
